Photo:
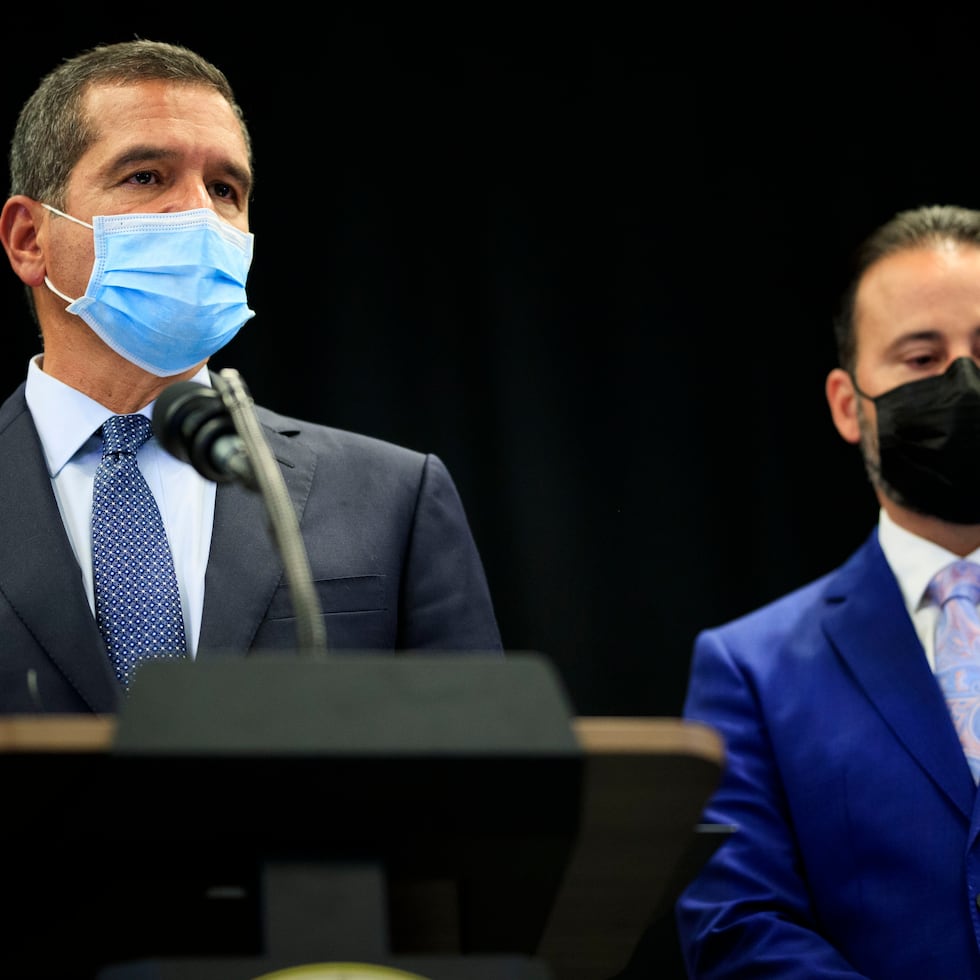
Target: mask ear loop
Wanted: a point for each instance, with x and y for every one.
(78, 221)
(857, 387)
(57, 292)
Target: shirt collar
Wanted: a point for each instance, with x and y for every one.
(913, 560)
(65, 418)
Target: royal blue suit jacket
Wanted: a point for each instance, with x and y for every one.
(391, 552)
(856, 852)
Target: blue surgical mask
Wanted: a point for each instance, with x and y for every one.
(167, 289)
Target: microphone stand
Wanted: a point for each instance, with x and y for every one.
(285, 528)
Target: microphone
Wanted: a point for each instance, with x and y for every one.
(192, 423)
(217, 431)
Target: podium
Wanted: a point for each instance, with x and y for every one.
(441, 815)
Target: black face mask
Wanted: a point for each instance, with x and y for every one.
(929, 442)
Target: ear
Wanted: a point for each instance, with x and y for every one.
(842, 398)
(18, 233)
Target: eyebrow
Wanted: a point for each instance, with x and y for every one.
(136, 155)
(926, 335)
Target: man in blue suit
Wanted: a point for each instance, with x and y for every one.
(128, 223)
(855, 850)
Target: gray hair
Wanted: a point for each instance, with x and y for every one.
(53, 132)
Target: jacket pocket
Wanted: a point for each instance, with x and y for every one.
(356, 593)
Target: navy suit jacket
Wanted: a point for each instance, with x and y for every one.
(856, 850)
(391, 553)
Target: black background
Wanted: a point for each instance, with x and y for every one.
(588, 259)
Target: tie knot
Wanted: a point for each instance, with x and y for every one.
(124, 434)
(960, 580)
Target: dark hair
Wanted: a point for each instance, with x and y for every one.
(52, 131)
(910, 229)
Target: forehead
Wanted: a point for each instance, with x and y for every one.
(929, 286)
(186, 116)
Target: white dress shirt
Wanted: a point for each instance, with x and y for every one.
(915, 561)
(68, 424)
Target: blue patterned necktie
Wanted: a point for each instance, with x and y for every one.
(957, 590)
(137, 603)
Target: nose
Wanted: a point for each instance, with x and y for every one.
(187, 196)
(959, 351)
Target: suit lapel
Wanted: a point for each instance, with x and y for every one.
(41, 572)
(868, 624)
(39, 576)
(244, 567)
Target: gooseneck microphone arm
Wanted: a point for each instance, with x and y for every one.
(192, 423)
(216, 431)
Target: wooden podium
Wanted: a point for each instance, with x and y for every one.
(444, 816)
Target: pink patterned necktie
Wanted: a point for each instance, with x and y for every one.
(957, 590)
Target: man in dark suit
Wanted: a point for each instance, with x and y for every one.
(128, 221)
(855, 850)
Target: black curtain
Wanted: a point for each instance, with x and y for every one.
(591, 263)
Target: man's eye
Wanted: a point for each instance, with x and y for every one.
(142, 177)
(224, 191)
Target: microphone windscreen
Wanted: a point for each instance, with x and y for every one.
(188, 419)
